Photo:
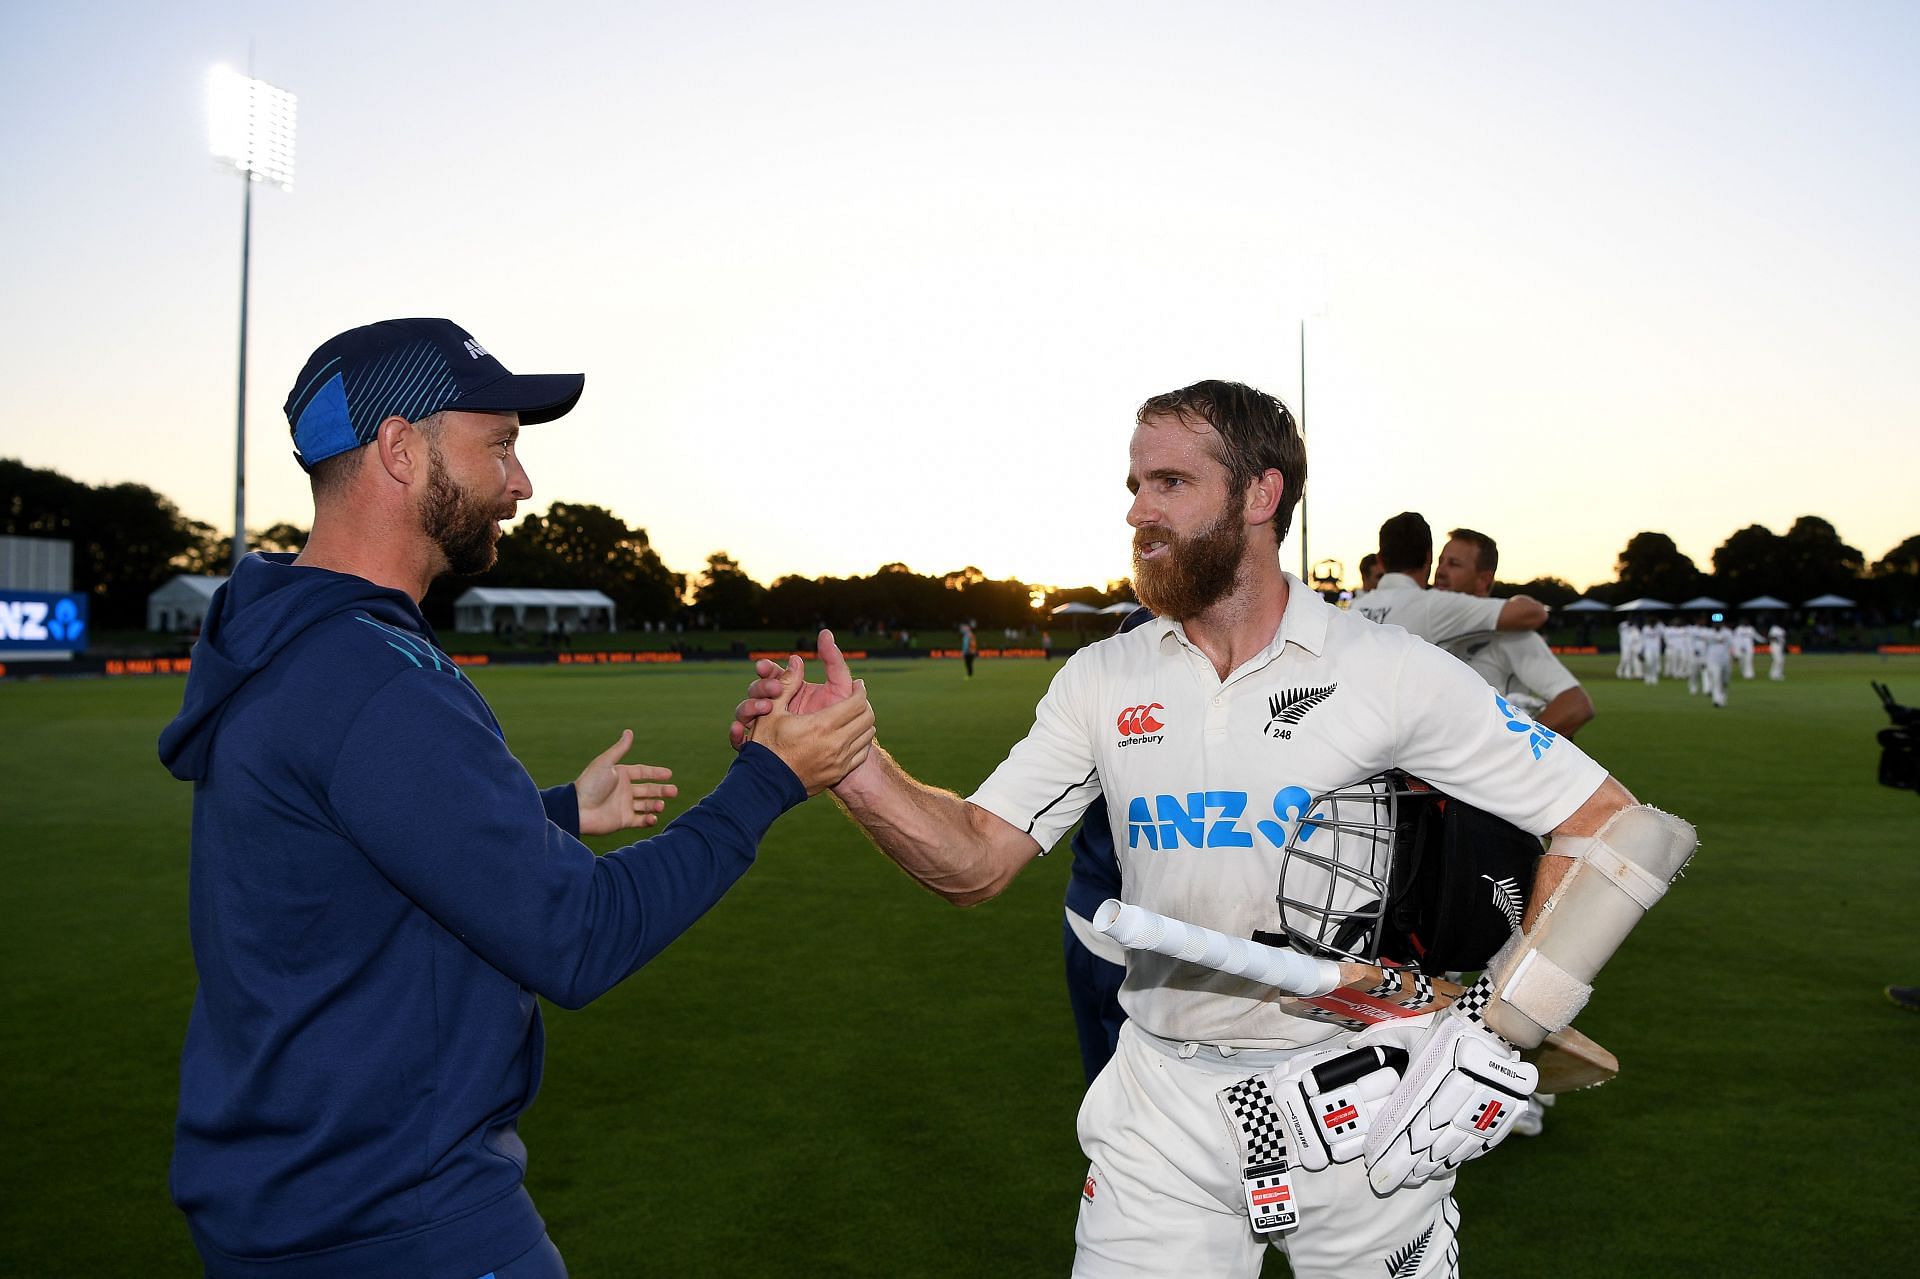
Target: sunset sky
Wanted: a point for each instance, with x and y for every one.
(854, 283)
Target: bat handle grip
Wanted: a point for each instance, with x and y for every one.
(1141, 929)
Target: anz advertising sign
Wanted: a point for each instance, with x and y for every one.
(42, 622)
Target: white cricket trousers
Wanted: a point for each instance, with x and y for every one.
(1162, 1195)
(1719, 670)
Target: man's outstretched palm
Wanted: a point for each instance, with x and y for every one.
(615, 796)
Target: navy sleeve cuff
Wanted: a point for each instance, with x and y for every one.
(563, 808)
(770, 776)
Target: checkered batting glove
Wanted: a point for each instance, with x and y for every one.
(1462, 1090)
(1319, 1104)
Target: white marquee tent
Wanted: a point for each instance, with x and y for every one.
(484, 607)
(179, 606)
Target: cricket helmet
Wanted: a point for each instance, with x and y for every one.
(1389, 868)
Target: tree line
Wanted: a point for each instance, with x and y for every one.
(1808, 560)
(128, 540)
(577, 546)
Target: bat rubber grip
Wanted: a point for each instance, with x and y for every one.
(1137, 928)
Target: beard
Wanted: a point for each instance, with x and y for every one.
(453, 518)
(1195, 572)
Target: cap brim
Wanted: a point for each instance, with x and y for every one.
(536, 397)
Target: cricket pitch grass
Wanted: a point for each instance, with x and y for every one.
(835, 1073)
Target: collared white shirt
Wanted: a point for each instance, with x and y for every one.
(1205, 778)
(1515, 662)
(1438, 617)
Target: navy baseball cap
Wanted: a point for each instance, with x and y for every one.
(410, 369)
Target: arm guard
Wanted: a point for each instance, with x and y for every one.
(1542, 978)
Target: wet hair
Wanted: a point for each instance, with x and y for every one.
(1257, 435)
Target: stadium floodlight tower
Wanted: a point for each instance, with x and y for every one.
(251, 130)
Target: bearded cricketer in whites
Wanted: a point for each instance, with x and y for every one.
(1207, 1134)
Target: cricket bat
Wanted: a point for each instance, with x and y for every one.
(1351, 994)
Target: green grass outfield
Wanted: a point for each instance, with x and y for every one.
(837, 1074)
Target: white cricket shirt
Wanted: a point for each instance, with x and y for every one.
(1515, 662)
(1437, 617)
(1205, 778)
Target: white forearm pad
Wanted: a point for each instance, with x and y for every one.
(1542, 978)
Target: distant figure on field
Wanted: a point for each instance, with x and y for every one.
(1777, 643)
(1653, 639)
(1745, 640)
(1718, 662)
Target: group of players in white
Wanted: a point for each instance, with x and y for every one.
(1224, 1122)
(1702, 653)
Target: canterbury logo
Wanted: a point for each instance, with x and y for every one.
(1136, 720)
(1506, 899)
(1292, 706)
(474, 349)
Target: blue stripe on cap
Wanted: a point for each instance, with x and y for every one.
(411, 382)
(325, 427)
(371, 391)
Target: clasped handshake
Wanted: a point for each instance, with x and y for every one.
(822, 732)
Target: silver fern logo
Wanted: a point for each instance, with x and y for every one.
(1506, 899)
(1288, 708)
(1407, 1261)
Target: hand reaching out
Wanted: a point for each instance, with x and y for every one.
(615, 796)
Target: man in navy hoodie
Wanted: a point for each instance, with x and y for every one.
(378, 890)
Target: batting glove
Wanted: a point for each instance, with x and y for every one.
(1323, 1103)
(1458, 1099)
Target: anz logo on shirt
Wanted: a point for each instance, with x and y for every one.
(1213, 819)
(1540, 739)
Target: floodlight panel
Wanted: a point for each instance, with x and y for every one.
(251, 126)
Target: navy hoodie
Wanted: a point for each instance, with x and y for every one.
(378, 892)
